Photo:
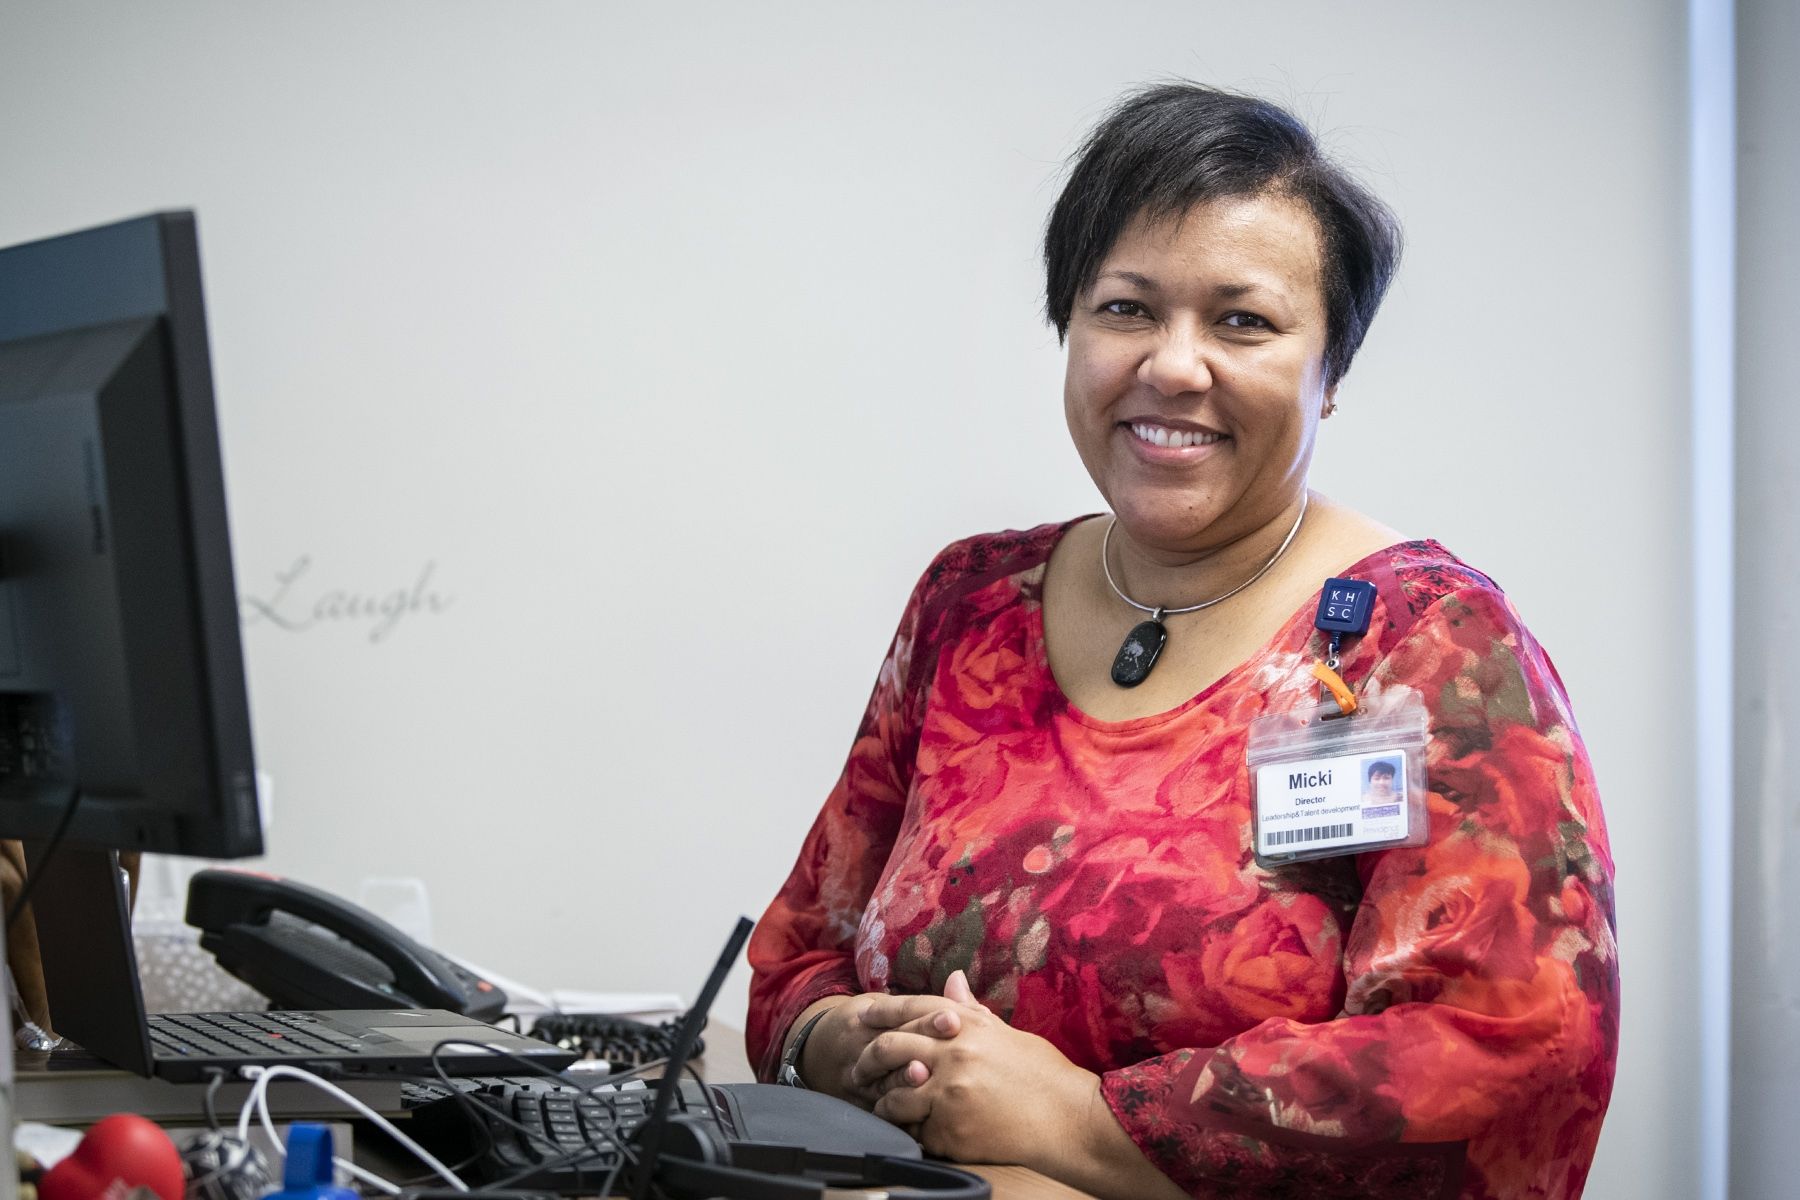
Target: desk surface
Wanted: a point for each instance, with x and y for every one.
(726, 1062)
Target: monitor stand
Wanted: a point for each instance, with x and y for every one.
(90, 966)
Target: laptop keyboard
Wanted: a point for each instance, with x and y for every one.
(246, 1035)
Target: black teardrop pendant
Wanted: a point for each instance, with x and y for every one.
(1137, 653)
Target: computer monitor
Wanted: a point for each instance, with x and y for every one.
(121, 672)
(124, 721)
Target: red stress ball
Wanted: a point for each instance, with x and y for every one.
(124, 1148)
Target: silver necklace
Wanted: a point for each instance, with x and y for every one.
(1139, 651)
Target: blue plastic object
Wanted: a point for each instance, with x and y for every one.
(1344, 606)
(309, 1171)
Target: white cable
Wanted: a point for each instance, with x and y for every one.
(367, 1176)
(258, 1100)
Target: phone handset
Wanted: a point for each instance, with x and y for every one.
(258, 926)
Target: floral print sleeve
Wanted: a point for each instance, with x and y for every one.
(1474, 1053)
(802, 950)
(1431, 1021)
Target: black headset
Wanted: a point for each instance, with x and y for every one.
(684, 1158)
(694, 1161)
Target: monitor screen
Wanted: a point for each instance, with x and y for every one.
(121, 672)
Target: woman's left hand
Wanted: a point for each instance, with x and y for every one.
(991, 1093)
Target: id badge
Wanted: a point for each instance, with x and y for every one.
(1323, 784)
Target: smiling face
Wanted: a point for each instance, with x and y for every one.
(1196, 373)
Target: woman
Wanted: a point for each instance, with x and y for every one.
(1029, 924)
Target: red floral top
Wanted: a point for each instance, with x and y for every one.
(1432, 1021)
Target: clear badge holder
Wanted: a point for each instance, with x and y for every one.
(1323, 783)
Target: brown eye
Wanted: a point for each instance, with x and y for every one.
(1123, 308)
(1244, 320)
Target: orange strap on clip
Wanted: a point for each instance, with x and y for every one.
(1334, 683)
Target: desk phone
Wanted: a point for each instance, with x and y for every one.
(305, 948)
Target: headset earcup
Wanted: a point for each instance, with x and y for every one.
(696, 1162)
(695, 1139)
(690, 1149)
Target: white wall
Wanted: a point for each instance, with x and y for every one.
(676, 338)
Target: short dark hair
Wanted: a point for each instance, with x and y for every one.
(1381, 768)
(1166, 148)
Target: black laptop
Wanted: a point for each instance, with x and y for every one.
(357, 1043)
(96, 1000)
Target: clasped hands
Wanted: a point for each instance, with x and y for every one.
(962, 1081)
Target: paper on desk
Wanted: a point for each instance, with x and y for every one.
(49, 1144)
(617, 1004)
(529, 1003)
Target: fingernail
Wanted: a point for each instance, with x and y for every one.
(943, 1022)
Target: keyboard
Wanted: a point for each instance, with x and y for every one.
(258, 1035)
(564, 1145)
